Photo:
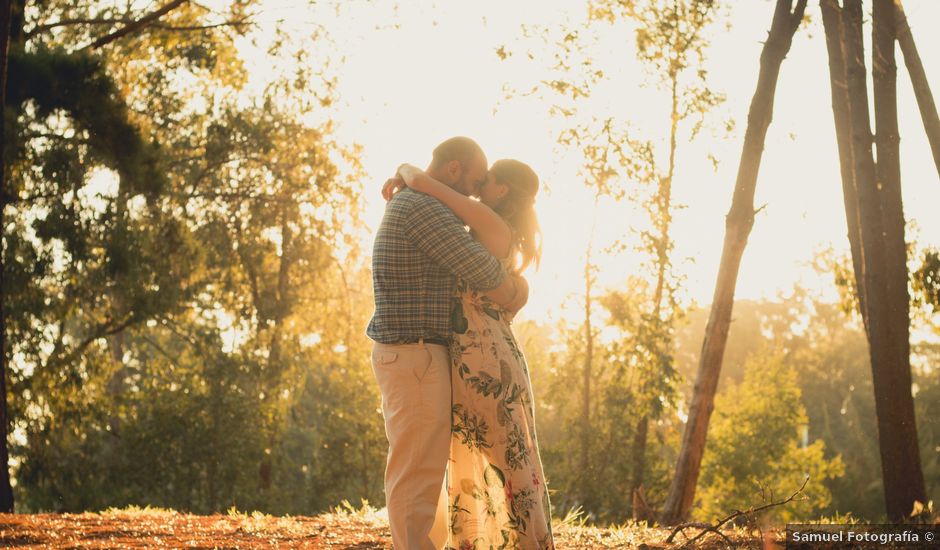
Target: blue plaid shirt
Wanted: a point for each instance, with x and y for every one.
(420, 250)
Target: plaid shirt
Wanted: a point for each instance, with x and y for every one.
(420, 249)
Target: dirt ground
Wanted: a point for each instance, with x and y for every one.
(167, 529)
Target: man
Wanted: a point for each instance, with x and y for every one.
(420, 249)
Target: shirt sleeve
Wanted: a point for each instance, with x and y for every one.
(439, 233)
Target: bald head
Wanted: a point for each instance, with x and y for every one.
(460, 163)
(460, 148)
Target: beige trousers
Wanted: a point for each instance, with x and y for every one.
(415, 384)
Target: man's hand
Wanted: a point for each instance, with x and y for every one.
(511, 294)
(522, 294)
(392, 186)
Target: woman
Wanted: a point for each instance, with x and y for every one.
(496, 489)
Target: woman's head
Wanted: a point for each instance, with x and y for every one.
(510, 191)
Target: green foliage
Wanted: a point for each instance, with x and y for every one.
(754, 454)
(925, 283)
(77, 83)
(192, 429)
(831, 358)
(333, 445)
(186, 318)
(623, 387)
(197, 349)
(636, 380)
(829, 353)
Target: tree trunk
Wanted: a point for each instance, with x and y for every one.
(925, 102)
(116, 386)
(880, 261)
(664, 212)
(900, 452)
(275, 367)
(6, 490)
(639, 466)
(738, 225)
(586, 435)
(840, 109)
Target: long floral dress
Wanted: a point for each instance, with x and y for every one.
(496, 490)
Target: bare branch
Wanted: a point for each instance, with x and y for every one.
(922, 93)
(136, 25)
(240, 22)
(103, 329)
(72, 21)
(236, 23)
(750, 512)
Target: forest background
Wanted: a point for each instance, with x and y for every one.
(192, 187)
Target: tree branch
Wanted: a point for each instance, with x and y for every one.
(112, 21)
(230, 23)
(106, 328)
(922, 93)
(708, 528)
(72, 21)
(797, 15)
(135, 25)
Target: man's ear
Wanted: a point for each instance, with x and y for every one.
(454, 169)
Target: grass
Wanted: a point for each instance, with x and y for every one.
(345, 526)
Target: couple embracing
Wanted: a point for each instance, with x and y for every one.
(463, 467)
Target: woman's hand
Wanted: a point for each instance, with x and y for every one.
(410, 174)
(392, 186)
(406, 175)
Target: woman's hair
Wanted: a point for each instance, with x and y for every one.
(518, 207)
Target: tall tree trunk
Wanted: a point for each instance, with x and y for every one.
(840, 109)
(6, 490)
(925, 102)
(275, 365)
(738, 226)
(664, 213)
(879, 260)
(116, 386)
(586, 435)
(900, 452)
(639, 466)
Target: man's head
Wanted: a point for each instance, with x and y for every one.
(460, 163)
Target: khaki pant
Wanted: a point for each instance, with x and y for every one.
(415, 384)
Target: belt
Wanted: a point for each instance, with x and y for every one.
(432, 340)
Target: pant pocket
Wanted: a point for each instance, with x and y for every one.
(387, 357)
(424, 368)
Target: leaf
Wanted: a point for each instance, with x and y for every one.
(491, 312)
(485, 384)
(505, 373)
(494, 476)
(458, 321)
(503, 414)
(468, 486)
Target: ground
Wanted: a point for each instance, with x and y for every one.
(346, 528)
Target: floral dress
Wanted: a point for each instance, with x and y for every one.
(496, 489)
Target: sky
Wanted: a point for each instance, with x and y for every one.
(413, 74)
